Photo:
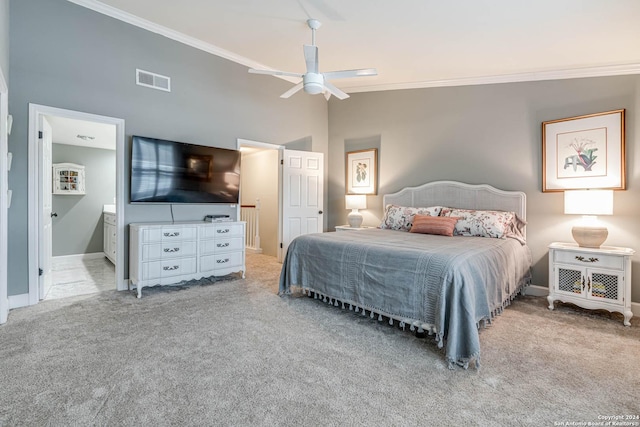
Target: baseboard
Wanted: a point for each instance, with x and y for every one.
(78, 257)
(537, 291)
(17, 301)
(543, 291)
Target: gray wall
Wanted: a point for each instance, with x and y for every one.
(4, 38)
(486, 134)
(63, 55)
(78, 228)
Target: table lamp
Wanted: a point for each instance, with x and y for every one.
(355, 202)
(589, 203)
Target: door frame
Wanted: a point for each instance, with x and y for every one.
(35, 187)
(4, 197)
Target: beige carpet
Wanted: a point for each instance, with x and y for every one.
(232, 352)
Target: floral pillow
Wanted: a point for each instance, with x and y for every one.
(401, 217)
(480, 223)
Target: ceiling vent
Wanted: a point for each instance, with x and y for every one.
(153, 80)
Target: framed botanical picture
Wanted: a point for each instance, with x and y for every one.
(362, 170)
(584, 152)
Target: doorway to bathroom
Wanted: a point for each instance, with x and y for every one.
(76, 181)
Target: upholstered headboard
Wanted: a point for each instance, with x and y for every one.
(460, 195)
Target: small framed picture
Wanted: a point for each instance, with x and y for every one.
(362, 171)
(584, 152)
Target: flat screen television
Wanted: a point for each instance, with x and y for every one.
(176, 172)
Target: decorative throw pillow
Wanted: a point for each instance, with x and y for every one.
(401, 217)
(439, 225)
(480, 223)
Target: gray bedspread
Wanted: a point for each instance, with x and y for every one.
(444, 285)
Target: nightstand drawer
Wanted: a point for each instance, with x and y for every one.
(585, 259)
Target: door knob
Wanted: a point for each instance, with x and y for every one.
(53, 214)
(320, 212)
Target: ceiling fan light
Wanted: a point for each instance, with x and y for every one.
(314, 88)
(313, 83)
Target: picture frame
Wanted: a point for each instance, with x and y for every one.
(362, 171)
(584, 152)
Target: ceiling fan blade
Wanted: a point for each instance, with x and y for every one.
(344, 74)
(335, 91)
(327, 95)
(311, 58)
(293, 90)
(274, 73)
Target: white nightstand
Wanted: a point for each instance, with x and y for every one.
(349, 228)
(591, 278)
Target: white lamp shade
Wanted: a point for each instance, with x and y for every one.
(356, 201)
(588, 202)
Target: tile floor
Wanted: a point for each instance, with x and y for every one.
(80, 277)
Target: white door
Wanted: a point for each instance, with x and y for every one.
(302, 195)
(45, 280)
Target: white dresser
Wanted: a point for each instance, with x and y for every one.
(165, 253)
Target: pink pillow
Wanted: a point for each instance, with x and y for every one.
(439, 225)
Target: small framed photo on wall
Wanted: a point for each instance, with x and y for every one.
(362, 171)
(584, 152)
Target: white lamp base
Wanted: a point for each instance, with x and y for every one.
(354, 218)
(589, 237)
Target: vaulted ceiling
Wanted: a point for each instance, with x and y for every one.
(412, 43)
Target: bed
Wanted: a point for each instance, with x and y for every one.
(447, 286)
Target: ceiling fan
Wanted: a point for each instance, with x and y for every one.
(313, 81)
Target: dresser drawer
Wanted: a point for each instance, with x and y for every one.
(168, 249)
(223, 230)
(168, 268)
(168, 234)
(221, 261)
(109, 219)
(585, 259)
(208, 247)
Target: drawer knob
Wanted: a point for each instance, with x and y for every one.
(171, 249)
(583, 259)
(168, 268)
(222, 261)
(226, 230)
(223, 245)
(174, 234)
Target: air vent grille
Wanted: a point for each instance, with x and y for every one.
(153, 80)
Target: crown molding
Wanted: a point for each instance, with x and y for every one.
(572, 73)
(173, 35)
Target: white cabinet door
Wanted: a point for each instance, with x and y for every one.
(605, 285)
